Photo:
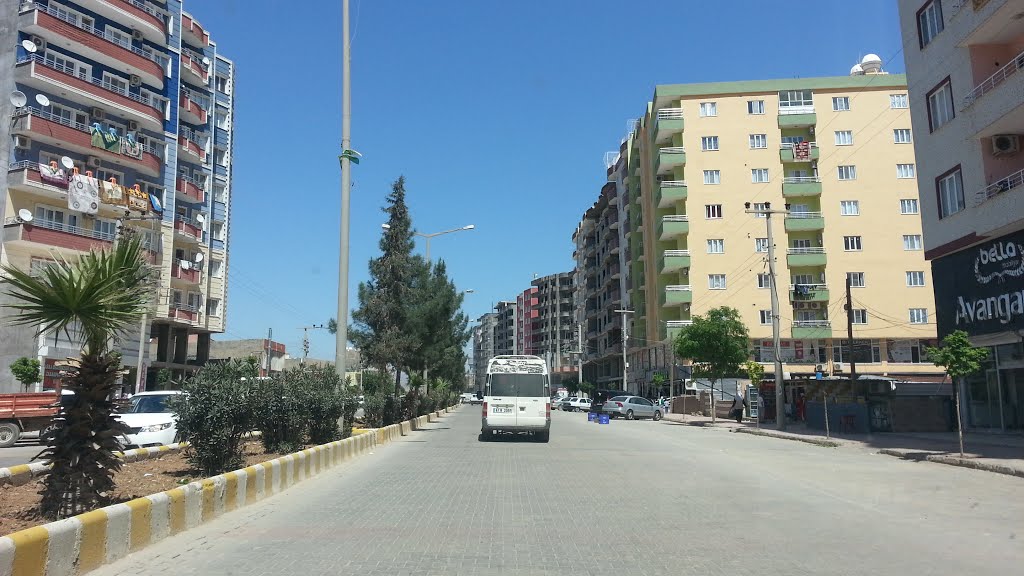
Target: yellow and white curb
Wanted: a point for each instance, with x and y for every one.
(22, 473)
(82, 543)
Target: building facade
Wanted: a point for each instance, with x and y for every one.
(554, 331)
(506, 340)
(526, 314)
(963, 63)
(837, 153)
(483, 346)
(120, 119)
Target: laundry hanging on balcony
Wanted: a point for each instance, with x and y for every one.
(113, 194)
(137, 199)
(53, 175)
(131, 147)
(802, 150)
(83, 194)
(105, 139)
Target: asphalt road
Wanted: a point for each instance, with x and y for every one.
(624, 498)
(20, 453)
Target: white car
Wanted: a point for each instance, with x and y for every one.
(150, 420)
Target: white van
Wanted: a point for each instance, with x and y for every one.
(517, 397)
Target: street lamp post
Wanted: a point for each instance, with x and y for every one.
(625, 337)
(387, 226)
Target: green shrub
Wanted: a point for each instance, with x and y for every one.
(280, 412)
(325, 401)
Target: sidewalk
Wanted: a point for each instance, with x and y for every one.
(999, 453)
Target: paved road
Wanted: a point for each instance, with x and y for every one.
(626, 498)
(20, 453)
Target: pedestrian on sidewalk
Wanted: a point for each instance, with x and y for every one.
(738, 404)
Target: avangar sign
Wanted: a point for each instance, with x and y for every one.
(981, 290)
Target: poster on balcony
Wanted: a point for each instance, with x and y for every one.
(105, 139)
(130, 147)
(980, 290)
(113, 194)
(53, 175)
(137, 199)
(84, 194)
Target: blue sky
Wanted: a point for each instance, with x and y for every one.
(498, 114)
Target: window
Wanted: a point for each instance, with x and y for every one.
(760, 244)
(856, 279)
(793, 139)
(55, 218)
(759, 175)
(760, 208)
(799, 279)
(755, 106)
(908, 206)
(709, 109)
(801, 243)
(860, 316)
(802, 99)
(105, 229)
(117, 36)
(918, 315)
(213, 307)
(950, 188)
(901, 136)
(69, 116)
(852, 243)
(38, 266)
(115, 83)
(911, 241)
(217, 230)
(940, 105)
(194, 300)
(863, 352)
(766, 316)
(222, 120)
(915, 278)
(66, 65)
(712, 210)
(712, 177)
(844, 137)
(220, 157)
(764, 280)
(716, 281)
(716, 246)
(905, 171)
(217, 268)
(758, 141)
(847, 172)
(709, 143)
(221, 83)
(219, 193)
(849, 208)
(898, 101)
(929, 22)
(840, 103)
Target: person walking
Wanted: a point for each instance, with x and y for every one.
(738, 404)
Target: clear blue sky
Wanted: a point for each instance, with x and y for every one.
(498, 114)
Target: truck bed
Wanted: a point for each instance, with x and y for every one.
(28, 405)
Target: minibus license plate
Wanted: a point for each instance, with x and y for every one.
(502, 410)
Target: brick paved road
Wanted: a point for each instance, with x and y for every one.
(627, 498)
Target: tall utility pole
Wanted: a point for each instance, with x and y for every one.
(579, 354)
(305, 339)
(625, 340)
(780, 396)
(270, 335)
(341, 343)
(849, 334)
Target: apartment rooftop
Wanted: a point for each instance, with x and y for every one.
(666, 93)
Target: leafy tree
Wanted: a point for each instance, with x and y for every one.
(440, 328)
(26, 371)
(960, 359)
(381, 324)
(657, 383)
(104, 294)
(717, 344)
(587, 388)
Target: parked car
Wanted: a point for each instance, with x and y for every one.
(566, 404)
(599, 397)
(150, 420)
(477, 398)
(580, 404)
(631, 407)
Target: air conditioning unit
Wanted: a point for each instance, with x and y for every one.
(837, 366)
(98, 113)
(135, 80)
(1005, 144)
(94, 162)
(22, 142)
(39, 42)
(136, 35)
(133, 125)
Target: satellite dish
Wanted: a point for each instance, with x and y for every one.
(42, 100)
(29, 46)
(25, 215)
(185, 264)
(206, 61)
(67, 162)
(199, 257)
(18, 98)
(200, 218)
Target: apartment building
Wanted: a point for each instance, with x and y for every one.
(526, 314)
(483, 346)
(554, 330)
(131, 101)
(506, 339)
(964, 61)
(838, 153)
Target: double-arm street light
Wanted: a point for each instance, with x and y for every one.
(387, 226)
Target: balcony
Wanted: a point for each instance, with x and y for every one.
(801, 186)
(668, 158)
(797, 116)
(193, 33)
(134, 14)
(116, 52)
(195, 68)
(72, 136)
(805, 222)
(183, 312)
(191, 107)
(187, 273)
(673, 226)
(190, 189)
(795, 153)
(188, 230)
(667, 123)
(994, 106)
(53, 78)
(808, 293)
(670, 192)
(811, 329)
(189, 141)
(53, 234)
(673, 261)
(805, 257)
(1003, 185)
(676, 295)
(673, 327)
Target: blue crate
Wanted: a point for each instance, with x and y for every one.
(591, 416)
(604, 419)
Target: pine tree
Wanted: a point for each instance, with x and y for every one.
(440, 326)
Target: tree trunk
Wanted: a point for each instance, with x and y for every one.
(959, 422)
(714, 417)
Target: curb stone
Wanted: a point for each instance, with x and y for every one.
(954, 461)
(815, 441)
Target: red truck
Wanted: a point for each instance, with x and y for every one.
(28, 412)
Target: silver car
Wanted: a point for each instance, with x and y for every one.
(631, 407)
(566, 404)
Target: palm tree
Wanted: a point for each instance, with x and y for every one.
(103, 293)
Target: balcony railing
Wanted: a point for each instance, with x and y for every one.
(670, 114)
(678, 323)
(81, 74)
(796, 109)
(677, 252)
(30, 110)
(799, 215)
(806, 250)
(994, 80)
(76, 230)
(120, 41)
(672, 183)
(678, 288)
(144, 7)
(673, 150)
(800, 179)
(791, 145)
(1003, 185)
(811, 287)
(811, 323)
(199, 99)
(676, 218)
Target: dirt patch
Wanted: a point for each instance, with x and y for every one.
(19, 504)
